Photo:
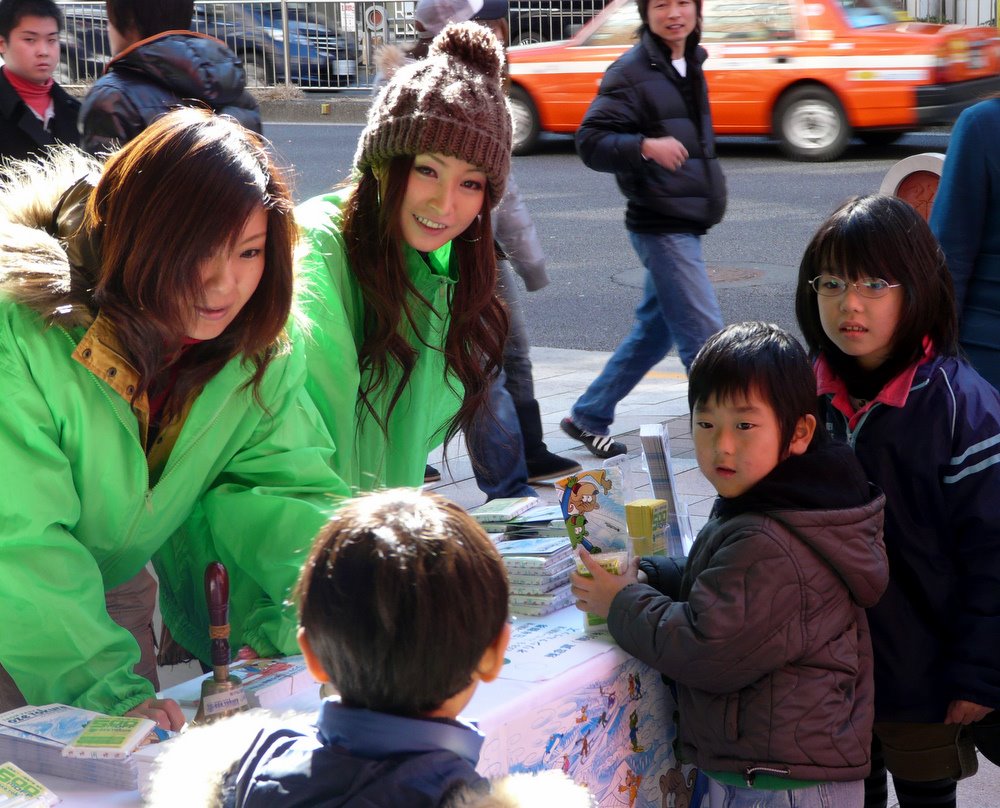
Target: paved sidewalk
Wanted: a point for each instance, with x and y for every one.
(560, 377)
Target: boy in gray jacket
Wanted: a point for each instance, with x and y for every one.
(765, 634)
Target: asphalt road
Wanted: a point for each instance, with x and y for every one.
(774, 207)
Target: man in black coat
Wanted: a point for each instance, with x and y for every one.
(35, 112)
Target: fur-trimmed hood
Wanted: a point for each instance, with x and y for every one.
(46, 262)
(190, 769)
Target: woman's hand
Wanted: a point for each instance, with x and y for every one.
(165, 712)
(668, 152)
(595, 594)
(246, 652)
(965, 712)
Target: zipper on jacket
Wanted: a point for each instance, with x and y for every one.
(751, 772)
(191, 445)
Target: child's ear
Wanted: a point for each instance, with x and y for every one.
(492, 662)
(802, 435)
(313, 665)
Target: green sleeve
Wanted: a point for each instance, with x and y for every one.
(57, 641)
(266, 507)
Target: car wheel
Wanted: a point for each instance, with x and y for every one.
(811, 125)
(880, 137)
(525, 117)
(529, 36)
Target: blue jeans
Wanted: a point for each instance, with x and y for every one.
(678, 305)
(496, 445)
(824, 795)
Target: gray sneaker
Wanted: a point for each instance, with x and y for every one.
(602, 446)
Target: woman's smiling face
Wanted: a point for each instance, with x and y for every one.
(443, 197)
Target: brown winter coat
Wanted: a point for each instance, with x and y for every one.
(768, 643)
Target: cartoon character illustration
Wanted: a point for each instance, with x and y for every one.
(673, 782)
(631, 687)
(582, 718)
(603, 720)
(584, 747)
(633, 732)
(638, 686)
(580, 498)
(565, 766)
(630, 785)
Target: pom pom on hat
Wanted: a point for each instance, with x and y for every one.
(450, 103)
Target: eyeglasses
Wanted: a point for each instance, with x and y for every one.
(832, 286)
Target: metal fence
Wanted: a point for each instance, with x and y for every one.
(332, 45)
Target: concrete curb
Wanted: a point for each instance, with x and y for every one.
(319, 108)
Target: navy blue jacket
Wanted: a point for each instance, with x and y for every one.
(936, 631)
(966, 220)
(639, 98)
(357, 757)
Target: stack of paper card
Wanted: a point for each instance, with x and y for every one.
(18, 789)
(34, 739)
(538, 572)
(497, 513)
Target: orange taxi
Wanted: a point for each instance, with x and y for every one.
(810, 73)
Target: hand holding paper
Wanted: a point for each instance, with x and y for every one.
(594, 592)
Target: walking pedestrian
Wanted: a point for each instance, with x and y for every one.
(651, 125)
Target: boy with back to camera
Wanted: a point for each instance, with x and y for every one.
(35, 112)
(765, 634)
(385, 617)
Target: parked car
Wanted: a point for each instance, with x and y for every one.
(532, 21)
(318, 56)
(811, 73)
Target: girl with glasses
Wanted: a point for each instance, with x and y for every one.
(876, 307)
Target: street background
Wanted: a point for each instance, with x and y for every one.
(752, 255)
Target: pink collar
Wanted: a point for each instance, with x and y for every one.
(894, 394)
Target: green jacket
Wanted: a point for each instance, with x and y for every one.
(78, 516)
(332, 303)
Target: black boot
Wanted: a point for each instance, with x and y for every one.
(542, 464)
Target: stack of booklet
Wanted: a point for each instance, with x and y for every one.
(538, 571)
(43, 740)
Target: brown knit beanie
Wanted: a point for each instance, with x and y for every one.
(450, 103)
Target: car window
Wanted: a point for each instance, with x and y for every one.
(619, 28)
(728, 20)
(866, 13)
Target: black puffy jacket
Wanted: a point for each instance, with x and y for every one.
(638, 99)
(157, 74)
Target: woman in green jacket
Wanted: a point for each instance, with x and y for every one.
(400, 270)
(153, 408)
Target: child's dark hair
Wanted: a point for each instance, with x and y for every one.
(880, 236)
(13, 11)
(755, 357)
(401, 596)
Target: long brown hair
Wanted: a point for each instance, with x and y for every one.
(176, 194)
(478, 327)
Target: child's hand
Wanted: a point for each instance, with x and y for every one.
(595, 594)
(965, 712)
